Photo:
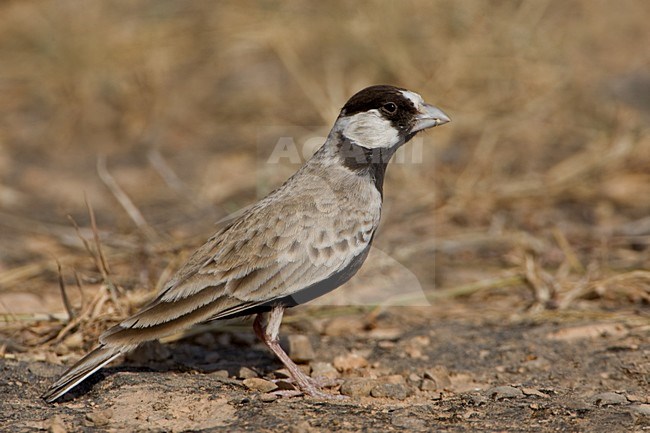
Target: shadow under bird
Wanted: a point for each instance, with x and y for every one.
(303, 240)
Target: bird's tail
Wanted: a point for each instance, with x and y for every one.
(86, 366)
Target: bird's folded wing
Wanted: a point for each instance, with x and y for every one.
(257, 259)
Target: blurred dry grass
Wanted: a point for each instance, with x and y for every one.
(540, 183)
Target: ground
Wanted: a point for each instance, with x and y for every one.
(489, 371)
(508, 288)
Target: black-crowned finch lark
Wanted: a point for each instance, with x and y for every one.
(303, 240)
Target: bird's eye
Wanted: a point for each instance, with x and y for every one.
(390, 107)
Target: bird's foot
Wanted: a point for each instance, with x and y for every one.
(314, 393)
(308, 386)
(317, 382)
(313, 387)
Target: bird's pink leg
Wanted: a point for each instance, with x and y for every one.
(271, 338)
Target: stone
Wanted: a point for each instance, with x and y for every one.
(259, 384)
(535, 392)
(440, 376)
(385, 334)
(358, 387)
(302, 427)
(324, 369)
(428, 385)
(634, 398)
(223, 374)
(284, 385)
(246, 373)
(393, 378)
(74, 341)
(100, 417)
(281, 373)
(414, 346)
(408, 422)
(300, 348)
(608, 399)
(396, 391)
(56, 425)
(350, 361)
(267, 398)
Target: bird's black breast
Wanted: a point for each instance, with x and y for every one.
(364, 161)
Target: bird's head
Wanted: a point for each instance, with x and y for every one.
(385, 117)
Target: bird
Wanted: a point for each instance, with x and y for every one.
(303, 240)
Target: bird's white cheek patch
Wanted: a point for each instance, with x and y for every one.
(370, 130)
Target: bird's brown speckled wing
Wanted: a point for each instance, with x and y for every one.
(276, 249)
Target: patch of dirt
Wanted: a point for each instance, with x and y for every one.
(462, 371)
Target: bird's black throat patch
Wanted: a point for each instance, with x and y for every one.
(364, 161)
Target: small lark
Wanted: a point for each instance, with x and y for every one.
(303, 240)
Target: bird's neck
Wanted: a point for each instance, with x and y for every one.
(347, 155)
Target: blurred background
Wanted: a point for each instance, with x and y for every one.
(157, 114)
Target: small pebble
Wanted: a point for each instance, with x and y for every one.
(56, 425)
(386, 334)
(358, 387)
(408, 422)
(284, 385)
(535, 392)
(397, 391)
(428, 385)
(477, 399)
(100, 417)
(393, 378)
(324, 369)
(74, 341)
(414, 346)
(608, 399)
(350, 362)
(302, 427)
(258, 384)
(246, 373)
(282, 373)
(220, 373)
(267, 398)
(633, 398)
(440, 375)
(386, 344)
(501, 392)
(300, 349)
